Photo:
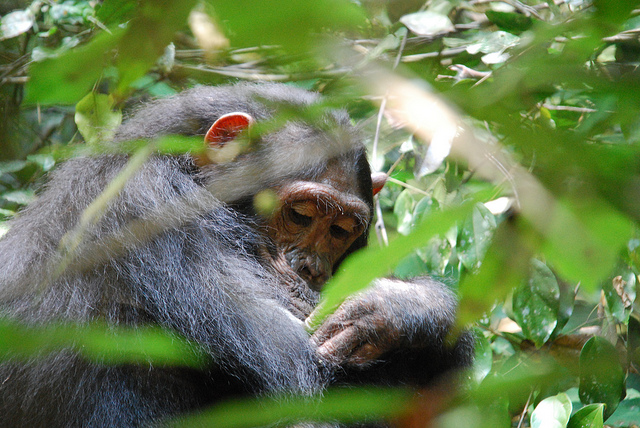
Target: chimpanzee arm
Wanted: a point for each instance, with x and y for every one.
(395, 332)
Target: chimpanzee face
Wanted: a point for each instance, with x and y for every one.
(317, 222)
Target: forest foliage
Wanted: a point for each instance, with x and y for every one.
(511, 133)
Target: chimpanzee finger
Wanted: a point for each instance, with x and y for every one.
(336, 323)
(341, 346)
(365, 354)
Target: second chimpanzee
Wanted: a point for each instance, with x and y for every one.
(182, 247)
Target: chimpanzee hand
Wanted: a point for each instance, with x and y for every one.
(391, 315)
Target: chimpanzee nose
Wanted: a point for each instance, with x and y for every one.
(314, 276)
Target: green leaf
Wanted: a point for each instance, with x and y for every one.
(552, 412)
(295, 25)
(483, 358)
(590, 416)
(511, 22)
(584, 238)
(615, 11)
(403, 210)
(96, 119)
(98, 342)
(536, 304)
(113, 12)
(67, 78)
(626, 415)
(345, 405)
(475, 237)
(22, 197)
(601, 374)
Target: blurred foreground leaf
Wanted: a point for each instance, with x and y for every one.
(98, 342)
(601, 375)
(344, 405)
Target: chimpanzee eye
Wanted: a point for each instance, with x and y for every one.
(299, 218)
(338, 232)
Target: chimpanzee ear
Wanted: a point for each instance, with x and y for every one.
(378, 179)
(226, 128)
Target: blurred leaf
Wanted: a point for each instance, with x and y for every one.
(601, 375)
(403, 209)
(96, 119)
(147, 36)
(112, 12)
(475, 236)
(512, 22)
(67, 78)
(15, 23)
(101, 343)
(590, 416)
(584, 238)
(12, 166)
(296, 24)
(483, 357)
(626, 415)
(22, 197)
(502, 269)
(344, 405)
(536, 304)
(552, 412)
(428, 23)
(615, 11)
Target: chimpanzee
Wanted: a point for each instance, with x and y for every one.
(182, 246)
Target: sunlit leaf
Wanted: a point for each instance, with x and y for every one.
(96, 118)
(15, 23)
(427, 23)
(601, 375)
(552, 412)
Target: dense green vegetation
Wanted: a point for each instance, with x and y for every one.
(510, 129)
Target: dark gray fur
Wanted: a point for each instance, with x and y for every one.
(204, 277)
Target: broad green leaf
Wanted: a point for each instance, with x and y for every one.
(113, 12)
(615, 11)
(295, 25)
(96, 119)
(584, 239)
(67, 78)
(552, 412)
(475, 237)
(590, 416)
(361, 268)
(512, 22)
(536, 304)
(345, 405)
(601, 375)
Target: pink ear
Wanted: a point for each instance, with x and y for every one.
(378, 179)
(226, 128)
